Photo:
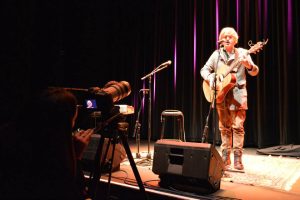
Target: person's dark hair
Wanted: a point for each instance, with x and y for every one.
(55, 107)
(45, 135)
(49, 114)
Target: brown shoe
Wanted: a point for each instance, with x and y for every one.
(238, 160)
(226, 159)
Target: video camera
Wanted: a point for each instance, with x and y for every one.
(97, 105)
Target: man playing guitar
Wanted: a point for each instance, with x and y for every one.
(229, 63)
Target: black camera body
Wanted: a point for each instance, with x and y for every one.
(97, 105)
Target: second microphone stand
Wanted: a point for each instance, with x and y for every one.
(137, 127)
(149, 76)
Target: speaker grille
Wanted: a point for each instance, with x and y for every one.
(195, 167)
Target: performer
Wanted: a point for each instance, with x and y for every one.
(232, 109)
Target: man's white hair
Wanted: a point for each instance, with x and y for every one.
(229, 31)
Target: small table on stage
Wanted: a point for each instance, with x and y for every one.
(126, 109)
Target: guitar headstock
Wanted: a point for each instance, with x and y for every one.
(256, 47)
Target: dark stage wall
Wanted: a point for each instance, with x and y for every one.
(88, 43)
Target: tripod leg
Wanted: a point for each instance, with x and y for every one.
(133, 167)
(110, 168)
(123, 128)
(96, 171)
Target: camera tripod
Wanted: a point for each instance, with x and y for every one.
(119, 133)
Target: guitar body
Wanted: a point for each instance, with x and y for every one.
(222, 87)
(229, 80)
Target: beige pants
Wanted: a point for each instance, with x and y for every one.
(231, 125)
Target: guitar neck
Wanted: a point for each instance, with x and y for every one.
(233, 64)
(254, 48)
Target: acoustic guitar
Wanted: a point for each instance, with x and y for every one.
(229, 81)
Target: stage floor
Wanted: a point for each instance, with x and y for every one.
(234, 185)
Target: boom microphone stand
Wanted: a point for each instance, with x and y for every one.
(149, 76)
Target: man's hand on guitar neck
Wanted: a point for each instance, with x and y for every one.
(246, 63)
(211, 79)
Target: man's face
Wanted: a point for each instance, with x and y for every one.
(229, 41)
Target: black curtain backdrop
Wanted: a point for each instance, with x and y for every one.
(83, 44)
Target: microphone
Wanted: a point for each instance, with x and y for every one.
(221, 42)
(159, 68)
(169, 62)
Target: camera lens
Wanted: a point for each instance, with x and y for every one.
(117, 90)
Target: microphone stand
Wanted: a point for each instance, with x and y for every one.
(215, 101)
(205, 130)
(137, 127)
(149, 117)
(149, 76)
(214, 107)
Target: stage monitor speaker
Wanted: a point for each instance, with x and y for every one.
(188, 166)
(90, 152)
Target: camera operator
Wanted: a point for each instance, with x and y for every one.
(44, 161)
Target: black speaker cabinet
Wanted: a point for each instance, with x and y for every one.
(188, 166)
(90, 152)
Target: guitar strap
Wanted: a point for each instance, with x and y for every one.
(236, 57)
